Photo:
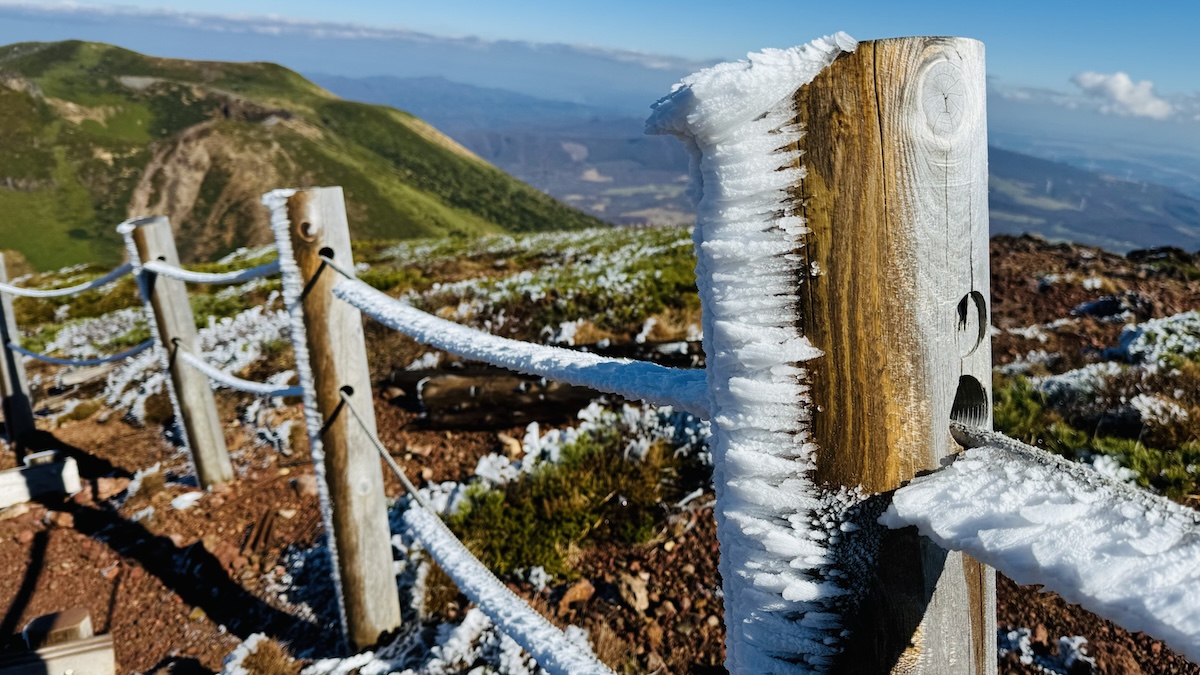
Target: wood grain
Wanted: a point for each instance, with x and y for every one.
(177, 328)
(15, 403)
(895, 194)
(338, 359)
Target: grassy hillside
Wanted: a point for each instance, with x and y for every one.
(94, 134)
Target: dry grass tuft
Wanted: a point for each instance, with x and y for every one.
(270, 657)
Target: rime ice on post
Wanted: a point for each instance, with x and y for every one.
(841, 232)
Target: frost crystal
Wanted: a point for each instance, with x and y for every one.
(738, 122)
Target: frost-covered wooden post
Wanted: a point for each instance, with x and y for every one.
(176, 328)
(14, 388)
(331, 357)
(842, 238)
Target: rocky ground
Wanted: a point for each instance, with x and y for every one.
(180, 588)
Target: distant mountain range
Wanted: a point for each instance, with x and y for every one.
(93, 134)
(604, 164)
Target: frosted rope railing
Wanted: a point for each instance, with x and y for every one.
(132, 351)
(70, 290)
(173, 272)
(635, 380)
(1116, 550)
(231, 381)
(547, 644)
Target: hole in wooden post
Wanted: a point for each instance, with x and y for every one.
(972, 323)
(347, 390)
(327, 252)
(308, 231)
(970, 403)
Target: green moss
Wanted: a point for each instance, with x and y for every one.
(593, 494)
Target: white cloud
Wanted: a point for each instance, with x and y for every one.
(1120, 95)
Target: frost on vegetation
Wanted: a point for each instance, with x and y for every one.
(784, 592)
(89, 338)
(1077, 384)
(1120, 552)
(230, 343)
(1038, 358)
(1110, 467)
(232, 664)
(1158, 410)
(1071, 651)
(1162, 341)
(641, 426)
(426, 361)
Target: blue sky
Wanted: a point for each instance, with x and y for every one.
(1039, 44)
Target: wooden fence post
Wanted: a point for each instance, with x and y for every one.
(176, 326)
(353, 478)
(895, 196)
(14, 388)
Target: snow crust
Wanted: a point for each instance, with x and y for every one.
(1126, 554)
(676, 387)
(780, 583)
(236, 276)
(552, 649)
(293, 288)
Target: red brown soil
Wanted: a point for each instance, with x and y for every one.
(179, 589)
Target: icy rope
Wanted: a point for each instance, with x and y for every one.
(276, 202)
(784, 594)
(237, 276)
(230, 381)
(548, 645)
(132, 351)
(71, 290)
(1121, 552)
(636, 380)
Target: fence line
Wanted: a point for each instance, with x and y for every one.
(108, 278)
(121, 356)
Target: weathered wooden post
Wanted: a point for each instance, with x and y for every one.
(168, 298)
(332, 343)
(842, 236)
(14, 388)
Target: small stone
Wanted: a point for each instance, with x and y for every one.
(633, 592)
(107, 488)
(512, 447)
(689, 568)
(197, 614)
(393, 393)
(644, 576)
(176, 539)
(427, 474)
(216, 502)
(305, 485)
(284, 471)
(654, 635)
(713, 621)
(655, 663)
(669, 546)
(15, 511)
(287, 514)
(581, 591)
(667, 608)
(60, 519)
(109, 573)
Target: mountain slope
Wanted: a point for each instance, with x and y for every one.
(95, 134)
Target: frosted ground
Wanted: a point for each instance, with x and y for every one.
(620, 262)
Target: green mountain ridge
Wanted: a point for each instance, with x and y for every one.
(94, 134)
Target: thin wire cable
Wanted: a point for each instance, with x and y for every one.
(412, 489)
(132, 351)
(70, 290)
(231, 381)
(173, 272)
(508, 611)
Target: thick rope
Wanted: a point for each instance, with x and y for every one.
(132, 351)
(70, 290)
(230, 381)
(173, 272)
